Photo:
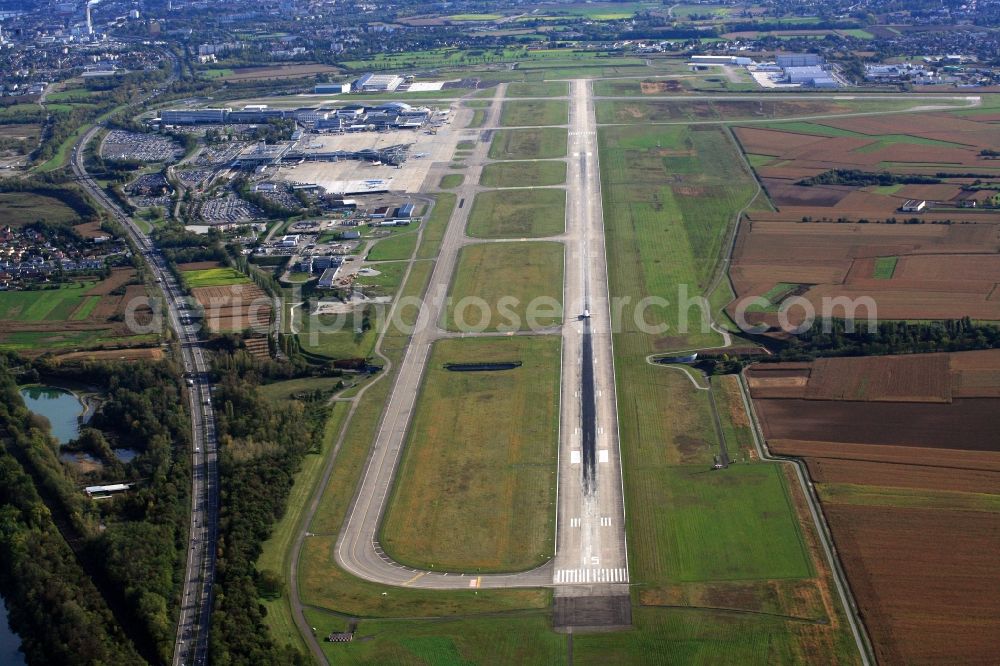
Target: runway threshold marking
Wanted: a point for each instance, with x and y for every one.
(414, 579)
(588, 575)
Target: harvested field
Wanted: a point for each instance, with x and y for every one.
(909, 489)
(924, 600)
(966, 423)
(932, 143)
(903, 475)
(942, 271)
(235, 307)
(90, 229)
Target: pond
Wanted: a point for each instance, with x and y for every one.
(63, 409)
(59, 406)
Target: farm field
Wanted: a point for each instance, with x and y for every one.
(836, 229)
(528, 144)
(909, 483)
(21, 208)
(530, 214)
(493, 506)
(75, 316)
(523, 174)
(940, 271)
(212, 277)
(534, 112)
(506, 279)
(695, 109)
(234, 307)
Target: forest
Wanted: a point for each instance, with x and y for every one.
(132, 546)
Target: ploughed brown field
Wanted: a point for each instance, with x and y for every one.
(912, 143)
(234, 307)
(830, 241)
(904, 454)
(941, 271)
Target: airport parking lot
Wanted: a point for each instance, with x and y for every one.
(121, 145)
(229, 210)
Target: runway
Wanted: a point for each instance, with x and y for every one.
(590, 555)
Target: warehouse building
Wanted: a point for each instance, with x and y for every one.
(799, 60)
(332, 88)
(378, 83)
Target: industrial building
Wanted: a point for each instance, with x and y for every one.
(193, 116)
(721, 60)
(350, 118)
(799, 60)
(332, 88)
(378, 83)
(262, 155)
(814, 76)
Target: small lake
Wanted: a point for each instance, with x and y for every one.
(59, 406)
(63, 410)
(10, 655)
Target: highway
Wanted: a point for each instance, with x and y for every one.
(191, 643)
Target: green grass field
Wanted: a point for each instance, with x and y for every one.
(523, 113)
(214, 277)
(476, 487)
(395, 247)
(48, 304)
(507, 278)
(670, 195)
(885, 267)
(528, 144)
(732, 525)
(18, 209)
(529, 214)
(538, 89)
(451, 181)
(523, 174)
(435, 225)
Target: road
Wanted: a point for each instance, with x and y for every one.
(191, 643)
